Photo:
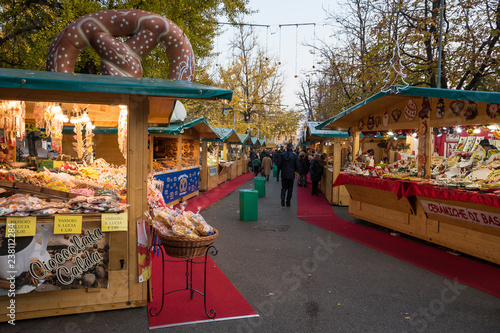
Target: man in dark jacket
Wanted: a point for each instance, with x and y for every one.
(288, 163)
(278, 153)
(252, 157)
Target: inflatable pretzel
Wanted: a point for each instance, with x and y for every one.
(119, 58)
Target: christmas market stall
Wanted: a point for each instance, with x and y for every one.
(246, 142)
(73, 183)
(444, 185)
(335, 145)
(231, 152)
(175, 157)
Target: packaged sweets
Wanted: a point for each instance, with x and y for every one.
(180, 230)
(202, 227)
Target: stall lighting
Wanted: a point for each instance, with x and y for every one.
(459, 129)
(477, 130)
(493, 127)
(395, 139)
(414, 135)
(390, 133)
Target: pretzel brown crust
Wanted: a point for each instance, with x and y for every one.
(100, 29)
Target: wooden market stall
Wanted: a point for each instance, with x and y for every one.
(460, 213)
(231, 152)
(246, 141)
(175, 157)
(143, 100)
(210, 168)
(334, 143)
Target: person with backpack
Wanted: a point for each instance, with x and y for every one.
(256, 166)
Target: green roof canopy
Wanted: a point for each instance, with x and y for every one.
(39, 80)
(199, 124)
(398, 94)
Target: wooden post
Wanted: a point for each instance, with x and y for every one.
(204, 167)
(224, 151)
(137, 166)
(355, 146)
(337, 160)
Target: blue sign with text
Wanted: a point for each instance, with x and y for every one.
(179, 183)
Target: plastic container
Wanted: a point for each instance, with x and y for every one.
(260, 185)
(249, 205)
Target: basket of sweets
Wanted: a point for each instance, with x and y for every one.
(183, 234)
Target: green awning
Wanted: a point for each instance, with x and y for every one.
(245, 139)
(228, 135)
(200, 125)
(40, 80)
(313, 132)
(397, 94)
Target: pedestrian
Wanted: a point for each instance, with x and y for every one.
(303, 169)
(316, 171)
(252, 156)
(278, 154)
(256, 165)
(288, 163)
(267, 165)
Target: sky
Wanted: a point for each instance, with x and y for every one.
(285, 43)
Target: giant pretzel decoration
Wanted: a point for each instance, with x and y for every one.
(99, 30)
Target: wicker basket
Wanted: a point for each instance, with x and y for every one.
(187, 248)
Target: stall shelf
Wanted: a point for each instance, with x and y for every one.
(147, 100)
(175, 158)
(444, 217)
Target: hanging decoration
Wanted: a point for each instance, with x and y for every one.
(410, 110)
(370, 123)
(396, 114)
(361, 124)
(386, 119)
(89, 141)
(457, 107)
(440, 109)
(426, 108)
(122, 130)
(54, 121)
(492, 110)
(12, 116)
(378, 120)
(471, 111)
(39, 113)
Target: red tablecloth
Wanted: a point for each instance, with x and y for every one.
(407, 189)
(396, 186)
(430, 191)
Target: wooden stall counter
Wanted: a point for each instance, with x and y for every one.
(465, 221)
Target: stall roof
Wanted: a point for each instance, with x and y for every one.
(255, 142)
(313, 132)
(199, 124)
(396, 94)
(40, 80)
(245, 139)
(228, 135)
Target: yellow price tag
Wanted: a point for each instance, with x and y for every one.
(114, 222)
(22, 226)
(65, 224)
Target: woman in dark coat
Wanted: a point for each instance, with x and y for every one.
(303, 169)
(316, 171)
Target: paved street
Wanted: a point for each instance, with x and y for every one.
(274, 263)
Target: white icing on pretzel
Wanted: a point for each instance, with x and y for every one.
(100, 29)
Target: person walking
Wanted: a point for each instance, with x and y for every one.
(267, 165)
(256, 166)
(288, 163)
(251, 157)
(278, 154)
(303, 169)
(316, 170)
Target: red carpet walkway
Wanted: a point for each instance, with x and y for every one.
(316, 210)
(222, 296)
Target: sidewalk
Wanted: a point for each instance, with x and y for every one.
(301, 278)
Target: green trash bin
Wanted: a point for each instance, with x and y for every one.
(275, 171)
(249, 204)
(259, 184)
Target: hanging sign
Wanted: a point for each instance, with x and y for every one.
(67, 224)
(114, 222)
(180, 183)
(462, 213)
(23, 226)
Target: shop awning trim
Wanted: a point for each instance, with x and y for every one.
(40, 80)
(384, 97)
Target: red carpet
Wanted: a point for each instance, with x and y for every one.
(207, 198)
(180, 309)
(316, 210)
(222, 296)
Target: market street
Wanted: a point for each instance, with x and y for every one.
(301, 278)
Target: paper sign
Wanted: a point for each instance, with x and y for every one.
(23, 226)
(114, 222)
(67, 225)
(462, 213)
